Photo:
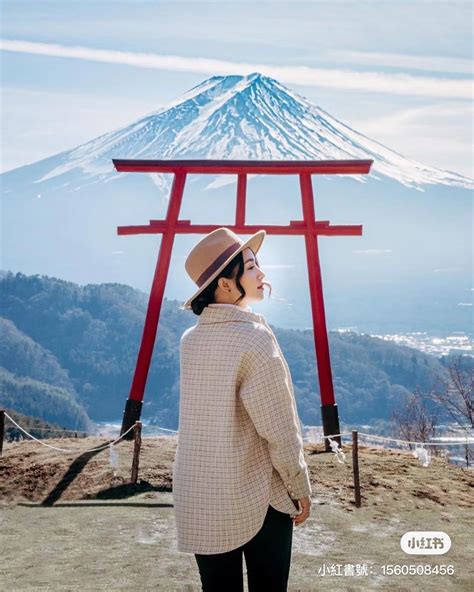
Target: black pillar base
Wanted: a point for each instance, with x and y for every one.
(330, 417)
(132, 413)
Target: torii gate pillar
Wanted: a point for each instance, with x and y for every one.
(309, 227)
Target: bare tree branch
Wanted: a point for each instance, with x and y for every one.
(454, 393)
(414, 421)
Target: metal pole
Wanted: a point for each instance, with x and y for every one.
(355, 467)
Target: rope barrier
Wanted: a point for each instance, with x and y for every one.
(164, 429)
(65, 449)
(97, 433)
(420, 452)
(62, 431)
(331, 437)
(465, 441)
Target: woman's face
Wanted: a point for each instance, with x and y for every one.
(250, 280)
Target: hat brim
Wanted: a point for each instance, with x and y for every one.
(254, 243)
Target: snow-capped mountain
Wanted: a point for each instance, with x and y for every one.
(239, 117)
(410, 268)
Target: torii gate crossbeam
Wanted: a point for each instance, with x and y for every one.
(309, 227)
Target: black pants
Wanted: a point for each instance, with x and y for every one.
(267, 557)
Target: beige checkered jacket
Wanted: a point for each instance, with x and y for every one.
(240, 445)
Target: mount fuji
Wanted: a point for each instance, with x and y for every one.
(232, 117)
(59, 215)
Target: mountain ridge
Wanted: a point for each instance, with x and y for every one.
(239, 117)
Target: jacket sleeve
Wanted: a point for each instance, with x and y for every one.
(268, 399)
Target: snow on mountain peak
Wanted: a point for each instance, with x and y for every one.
(243, 117)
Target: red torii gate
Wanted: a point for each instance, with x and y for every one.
(309, 227)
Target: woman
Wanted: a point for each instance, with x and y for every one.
(240, 480)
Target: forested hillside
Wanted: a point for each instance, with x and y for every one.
(40, 399)
(69, 351)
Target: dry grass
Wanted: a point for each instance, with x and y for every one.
(73, 522)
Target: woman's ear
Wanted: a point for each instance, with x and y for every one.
(221, 283)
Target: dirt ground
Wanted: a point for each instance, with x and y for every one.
(74, 521)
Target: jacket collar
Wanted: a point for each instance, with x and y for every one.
(222, 314)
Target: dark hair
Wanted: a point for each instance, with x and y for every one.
(235, 267)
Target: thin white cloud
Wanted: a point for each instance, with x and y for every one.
(400, 60)
(400, 84)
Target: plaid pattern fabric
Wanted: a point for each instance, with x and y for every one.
(240, 446)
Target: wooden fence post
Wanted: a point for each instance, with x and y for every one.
(137, 429)
(2, 429)
(355, 467)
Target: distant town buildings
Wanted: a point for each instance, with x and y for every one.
(456, 343)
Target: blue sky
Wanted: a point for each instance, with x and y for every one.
(399, 72)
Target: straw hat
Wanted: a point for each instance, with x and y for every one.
(212, 253)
